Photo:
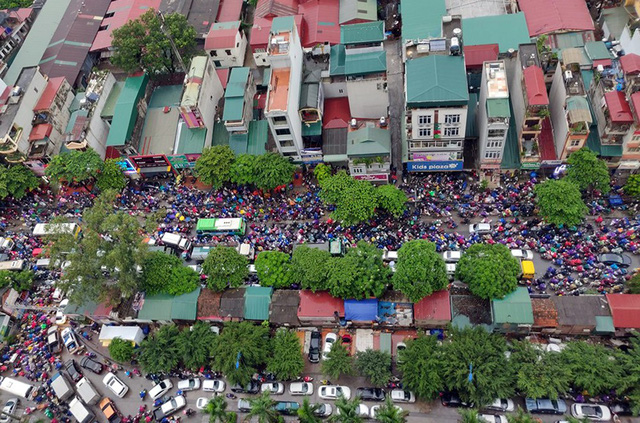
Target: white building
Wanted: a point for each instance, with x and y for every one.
(493, 114)
(226, 44)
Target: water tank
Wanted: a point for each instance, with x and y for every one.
(457, 32)
(454, 49)
(354, 123)
(447, 18)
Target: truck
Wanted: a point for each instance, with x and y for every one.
(80, 411)
(61, 387)
(176, 241)
(200, 253)
(87, 392)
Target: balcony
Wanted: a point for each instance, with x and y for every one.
(9, 143)
(529, 148)
(41, 117)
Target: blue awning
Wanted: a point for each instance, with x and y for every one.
(363, 310)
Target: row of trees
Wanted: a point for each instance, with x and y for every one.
(82, 167)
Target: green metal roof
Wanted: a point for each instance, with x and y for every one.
(596, 50)
(587, 77)
(237, 84)
(126, 111)
(238, 143)
(358, 9)
(220, 134)
(226, 25)
(282, 24)
(385, 342)
(311, 129)
(610, 150)
(368, 141)
(362, 33)
(508, 31)
(110, 104)
(191, 140)
(365, 63)
(309, 96)
(436, 80)
(258, 135)
(166, 95)
(233, 108)
(185, 307)
(422, 19)
(336, 60)
(256, 302)
(156, 307)
(604, 324)
(511, 152)
(472, 111)
(593, 139)
(74, 117)
(576, 102)
(514, 308)
(498, 107)
(569, 39)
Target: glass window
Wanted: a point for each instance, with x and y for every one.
(575, 143)
(283, 131)
(492, 155)
(424, 132)
(496, 133)
(451, 132)
(424, 120)
(451, 119)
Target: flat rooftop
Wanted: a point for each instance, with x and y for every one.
(11, 109)
(279, 90)
(475, 8)
(496, 80)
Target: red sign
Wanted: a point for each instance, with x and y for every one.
(373, 177)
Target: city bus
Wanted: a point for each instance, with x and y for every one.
(44, 229)
(12, 265)
(226, 226)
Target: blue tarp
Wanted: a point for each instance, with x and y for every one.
(362, 310)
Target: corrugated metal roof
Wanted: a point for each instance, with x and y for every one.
(549, 16)
(191, 141)
(336, 60)
(194, 81)
(420, 20)
(368, 141)
(436, 80)
(271, 8)
(284, 307)
(319, 304)
(309, 96)
(475, 56)
(365, 63)
(435, 307)
(575, 55)
(630, 63)
(229, 10)
(40, 132)
(256, 302)
(311, 129)
(514, 308)
(200, 13)
(498, 107)
(535, 86)
(596, 50)
(156, 307)
(49, 94)
(237, 84)
(336, 113)
(362, 33)
(508, 31)
(233, 108)
(232, 303)
(220, 134)
(110, 104)
(604, 324)
(511, 151)
(358, 10)
(569, 40)
(222, 35)
(282, 24)
(258, 135)
(385, 342)
(625, 310)
(619, 110)
(185, 307)
(608, 150)
(126, 110)
(123, 11)
(321, 18)
(578, 109)
(238, 143)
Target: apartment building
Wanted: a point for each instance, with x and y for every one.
(238, 101)
(226, 44)
(493, 114)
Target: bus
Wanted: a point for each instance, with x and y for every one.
(44, 229)
(12, 265)
(16, 387)
(226, 226)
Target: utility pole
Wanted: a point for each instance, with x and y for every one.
(166, 32)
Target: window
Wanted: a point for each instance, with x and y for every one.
(279, 119)
(451, 132)
(424, 120)
(424, 132)
(363, 12)
(217, 63)
(633, 150)
(451, 119)
(286, 143)
(290, 154)
(635, 138)
(283, 131)
(575, 143)
(494, 144)
(492, 155)
(357, 170)
(340, 90)
(103, 27)
(496, 133)
(213, 53)
(228, 52)
(109, 15)
(237, 45)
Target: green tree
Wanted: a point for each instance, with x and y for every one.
(74, 166)
(538, 374)
(390, 413)
(593, 367)
(489, 269)
(560, 202)
(421, 367)
(359, 274)
(274, 269)
(263, 409)
(16, 180)
(522, 417)
(111, 176)
(338, 361)
(470, 415)
(476, 366)
(632, 187)
(244, 344)
(633, 285)
(183, 280)
(420, 270)
(156, 271)
(20, 281)
(392, 199)
(141, 43)
(588, 172)
(10, 4)
(286, 362)
(121, 350)
(375, 365)
(355, 201)
(225, 267)
(213, 167)
(152, 221)
(243, 170)
(309, 268)
(216, 408)
(348, 411)
(160, 351)
(272, 170)
(195, 345)
(629, 384)
(307, 412)
(321, 172)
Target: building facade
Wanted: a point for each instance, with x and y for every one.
(493, 114)
(226, 44)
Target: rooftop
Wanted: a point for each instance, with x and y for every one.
(321, 22)
(126, 110)
(514, 308)
(336, 113)
(625, 309)
(279, 90)
(362, 33)
(209, 305)
(475, 8)
(256, 302)
(368, 142)
(229, 10)
(319, 304)
(496, 78)
(535, 86)
(190, 140)
(194, 81)
(528, 55)
(272, 8)
(619, 110)
(232, 303)
(284, 307)
(49, 94)
(358, 10)
(435, 307)
(237, 83)
(121, 12)
(635, 101)
(200, 13)
(581, 310)
(420, 22)
(544, 313)
(630, 63)
(11, 108)
(365, 63)
(222, 35)
(550, 16)
(436, 80)
(475, 56)
(508, 31)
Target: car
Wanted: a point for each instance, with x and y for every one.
(250, 388)
(522, 254)
(10, 408)
(493, 418)
(373, 412)
(112, 382)
(501, 404)
(545, 406)
(452, 399)
(620, 260)
(400, 395)
(61, 319)
(597, 412)
(89, 363)
(213, 385)
(480, 228)
(363, 411)
(53, 340)
(332, 392)
(274, 388)
(287, 408)
(451, 269)
(244, 406)
(329, 340)
(371, 394)
(189, 384)
(168, 408)
(452, 256)
(69, 340)
(301, 388)
(400, 346)
(314, 346)
(621, 408)
(160, 389)
(72, 369)
(324, 410)
(202, 402)
(109, 410)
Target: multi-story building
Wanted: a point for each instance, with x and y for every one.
(260, 37)
(630, 64)
(14, 30)
(226, 44)
(369, 152)
(238, 101)
(493, 114)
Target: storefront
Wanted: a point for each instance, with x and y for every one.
(151, 165)
(434, 166)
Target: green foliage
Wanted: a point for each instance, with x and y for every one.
(225, 267)
(375, 365)
(263, 409)
(359, 274)
(322, 172)
(160, 351)
(420, 270)
(156, 271)
(141, 44)
(489, 269)
(9, 4)
(348, 411)
(272, 170)
(632, 187)
(74, 166)
(121, 350)
(287, 362)
(421, 367)
(388, 413)
(309, 268)
(522, 417)
(213, 167)
(307, 412)
(629, 382)
(243, 170)
(16, 180)
(183, 280)
(470, 415)
(560, 202)
(216, 408)
(251, 342)
(633, 285)
(355, 201)
(338, 362)
(274, 269)
(538, 374)
(588, 172)
(392, 199)
(20, 281)
(111, 176)
(592, 367)
(195, 345)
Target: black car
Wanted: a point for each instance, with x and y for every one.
(287, 408)
(371, 394)
(452, 399)
(92, 365)
(251, 388)
(72, 369)
(314, 347)
(620, 260)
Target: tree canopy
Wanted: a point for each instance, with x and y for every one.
(560, 202)
(592, 366)
(538, 374)
(121, 350)
(274, 269)
(160, 351)
(110, 176)
(310, 268)
(375, 365)
(392, 199)
(588, 172)
(225, 268)
(359, 274)
(421, 366)
(355, 201)
(489, 269)
(321, 172)
(10, 4)
(286, 362)
(74, 166)
(243, 169)
(16, 181)
(420, 270)
(632, 187)
(338, 361)
(213, 167)
(195, 344)
(272, 170)
(629, 382)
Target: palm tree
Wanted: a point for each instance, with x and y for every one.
(216, 408)
(470, 416)
(263, 407)
(346, 411)
(307, 412)
(390, 413)
(522, 417)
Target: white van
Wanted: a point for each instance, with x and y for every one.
(17, 388)
(43, 263)
(247, 250)
(176, 241)
(6, 244)
(61, 387)
(87, 392)
(80, 411)
(390, 255)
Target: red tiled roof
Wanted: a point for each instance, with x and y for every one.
(607, 63)
(619, 110)
(625, 310)
(550, 16)
(123, 12)
(475, 56)
(209, 305)
(319, 304)
(229, 10)
(49, 94)
(434, 307)
(536, 89)
(39, 132)
(545, 313)
(221, 38)
(635, 102)
(223, 74)
(102, 310)
(322, 22)
(21, 14)
(260, 32)
(273, 8)
(336, 113)
(630, 63)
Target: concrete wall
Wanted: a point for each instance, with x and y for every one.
(236, 58)
(24, 117)
(557, 99)
(368, 98)
(334, 87)
(211, 92)
(630, 43)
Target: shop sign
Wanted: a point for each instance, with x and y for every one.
(373, 177)
(434, 166)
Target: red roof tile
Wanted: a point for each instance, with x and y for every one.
(322, 22)
(273, 8)
(550, 16)
(319, 304)
(21, 14)
(536, 89)
(229, 10)
(262, 27)
(221, 38)
(475, 56)
(434, 307)
(123, 11)
(607, 63)
(630, 63)
(49, 94)
(625, 310)
(336, 113)
(223, 74)
(619, 110)
(39, 132)
(545, 313)
(635, 102)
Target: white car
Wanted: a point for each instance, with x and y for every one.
(301, 388)
(69, 339)
(329, 340)
(332, 392)
(401, 346)
(596, 412)
(501, 404)
(213, 385)
(160, 389)
(400, 395)
(173, 405)
(116, 385)
(522, 254)
(324, 410)
(61, 319)
(9, 408)
(363, 411)
(201, 403)
(274, 388)
(491, 418)
(189, 384)
(452, 256)
(374, 410)
(480, 228)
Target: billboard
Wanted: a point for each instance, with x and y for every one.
(434, 166)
